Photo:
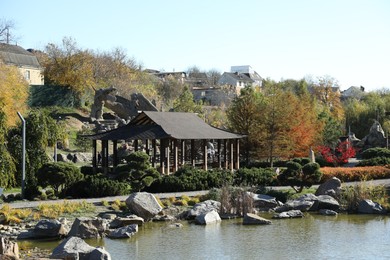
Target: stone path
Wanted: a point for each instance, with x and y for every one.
(33, 204)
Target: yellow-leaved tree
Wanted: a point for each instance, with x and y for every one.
(13, 93)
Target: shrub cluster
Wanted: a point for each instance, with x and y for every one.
(376, 161)
(97, 186)
(355, 173)
(190, 179)
(375, 152)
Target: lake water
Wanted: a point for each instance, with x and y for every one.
(313, 237)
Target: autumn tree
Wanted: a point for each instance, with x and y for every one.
(69, 66)
(13, 94)
(326, 91)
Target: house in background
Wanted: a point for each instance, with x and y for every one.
(240, 77)
(26, 62)
(353, 93)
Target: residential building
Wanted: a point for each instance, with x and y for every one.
(26, 62)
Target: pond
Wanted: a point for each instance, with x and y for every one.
(313, 237)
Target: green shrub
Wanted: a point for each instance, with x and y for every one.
(299, 177)
(97, 186)
(254, 177)
(375, 152)
(58, 175)
(376, 161)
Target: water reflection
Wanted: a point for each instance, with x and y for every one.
(313, 237)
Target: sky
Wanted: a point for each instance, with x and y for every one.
(348, 40)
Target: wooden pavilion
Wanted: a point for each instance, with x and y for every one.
(170, 133)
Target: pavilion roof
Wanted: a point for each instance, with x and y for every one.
(160, 125)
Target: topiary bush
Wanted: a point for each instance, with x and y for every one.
(254, 177)
(97, 186)
(58, 175)
(299, 177)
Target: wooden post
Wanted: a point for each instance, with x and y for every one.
(168, 147)
(225, 152)
(231, 155)
(154, 147)
(219, 153)
(183, 152)
(175, 156)
(162, 156)
(237, 154)
(94, 154)
(193, 152)
(205, 155)
(147, 150)
(135, 145)
(115, 153)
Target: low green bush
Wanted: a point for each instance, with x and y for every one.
(97, 186)
(375, 152)
(376, 161)
(254, 177)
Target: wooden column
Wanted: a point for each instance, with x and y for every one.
(147, 150)
(175, 156)
(231, 155)
(94, 154)
(162, 156)
(205, 155)
(219, 153)
(183, 152)
(193, 152)
(115, 153)
(168, 156)
(154, 148)
(237, 154)
(225, 152)
(105, 156)
(135, 145)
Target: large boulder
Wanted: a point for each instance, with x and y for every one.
(331, 187)
(88, 228)
(262, 201)
(123, 232)
(289, 214)
(302, 205)
(49, 229)
(210, 217)
(327, 202)
(75, 248)
(253, 219)
(203, 207)
(369, 207)
(8, 250)
(125, 221)
(144, 205)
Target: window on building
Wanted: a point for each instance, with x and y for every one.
(27, 75)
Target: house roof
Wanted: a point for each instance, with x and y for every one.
(16, 55)
(239, 76)
(160, 125)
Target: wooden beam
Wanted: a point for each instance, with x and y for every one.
(231, 155)
(183, 152)
(219, 153)
(94, 154)
(175, 156)
(225, 152)
(154, 147)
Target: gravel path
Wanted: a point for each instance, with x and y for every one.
(33, 204)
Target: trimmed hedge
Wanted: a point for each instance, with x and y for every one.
(377, 161)
(375, 152)
(355, 173)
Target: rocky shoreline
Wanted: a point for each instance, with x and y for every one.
(144, 207)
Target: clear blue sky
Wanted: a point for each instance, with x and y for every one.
(281, 39)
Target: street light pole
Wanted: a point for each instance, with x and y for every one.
(23, 154)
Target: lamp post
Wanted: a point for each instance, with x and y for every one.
(23, 154)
